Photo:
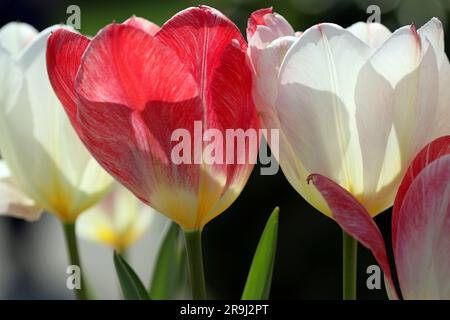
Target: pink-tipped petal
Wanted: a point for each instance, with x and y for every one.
(434, 150)
(355, 220)
(422, 247)
(265, 28)
(256, 19)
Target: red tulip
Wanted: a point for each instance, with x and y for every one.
(129, 88)
(420, 224)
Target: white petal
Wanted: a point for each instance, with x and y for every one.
(45, 154)
(374, 34)
(14, 36)
(267, 64)
(12, 201)
(119, 220)
(443, 111)
(396, 112)
(434, 32)
(374, 98)
(316, 102)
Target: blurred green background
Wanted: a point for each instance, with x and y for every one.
(308, 264)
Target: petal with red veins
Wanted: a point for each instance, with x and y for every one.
(64, 51)
(356, 221)
(132, 84)
(422, 250)
(213, 49)
(434, 150)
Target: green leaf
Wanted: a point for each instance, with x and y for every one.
(259, 278)
(170, 266)
(131, 285)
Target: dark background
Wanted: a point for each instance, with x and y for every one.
(308, 264)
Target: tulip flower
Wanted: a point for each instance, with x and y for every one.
(118, 221)
(48, 162)
(354, 105)
(420, 224)
(133, 85)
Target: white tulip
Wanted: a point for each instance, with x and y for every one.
(119, 220)
(48, 162)
(355, 104)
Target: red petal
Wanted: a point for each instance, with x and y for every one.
(355, 220)
(133, 92)
(200, 36)
(64, 51)
(214, 51)
(422, 249)
(143, 24)
(256, 19)
(428, 154)
(127, 66)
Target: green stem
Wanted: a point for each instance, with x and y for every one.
(74, 258)
(195, 258)
(349, 255)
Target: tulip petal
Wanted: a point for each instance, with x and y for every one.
(130, 81)
(15, 36)
(256, 19)
(317, 85)
(356, 221)
(143, 24)
(119, 220)
(61, 175)
(423, 234)
(391, 128)
(374, 34)
(434, 32)
(443, 111)
(378, 141)
(409, 63)
(224, 93)
(12, 201)
(64, 51)
(434, 150)
(264, 27)
(266, 64)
